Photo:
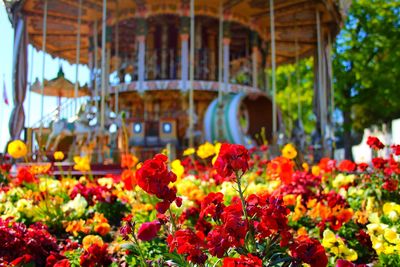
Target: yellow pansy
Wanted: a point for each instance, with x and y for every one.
(177, 168)
(336, 246)
(189, 151)
(206, 150)
(17, 149)
(315, 170)
(305, 166)
(392, 210)
(82, 163)
(58, 155)
(289, 151)
(342, 180)
(90, 240)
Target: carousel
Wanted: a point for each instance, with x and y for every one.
(171, 73)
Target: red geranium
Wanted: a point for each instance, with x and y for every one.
(154, 178)
(212, 205)
(362, 167)
(282, 168)
(347, 166)
(24, 175)
(396, 149)
(186, 242)
(244, 261)
(309, 250)
(148, 230)
(231, 159)
(379, 163)
(390, 185)
(129, 179)
(375, 143)
(96, 255)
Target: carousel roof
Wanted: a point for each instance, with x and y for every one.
(295, 20)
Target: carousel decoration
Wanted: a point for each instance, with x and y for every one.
(186, 71)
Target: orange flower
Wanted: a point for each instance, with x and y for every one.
(90, 240)
(282, 168)
(128, 161)
(102, 228)
(129, 179)
(76, 227)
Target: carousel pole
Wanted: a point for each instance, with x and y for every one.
(96, 67)
(299, 113)
(117, 58)
(43, 69)
(103, 76)
(28, 121)
(273, 65)
(191, 75)
(320, 82)
(78, 51)
(220, 37)
(331, 79)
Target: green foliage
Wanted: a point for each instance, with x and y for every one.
(391, 260)
(367, 63)
(289, 93)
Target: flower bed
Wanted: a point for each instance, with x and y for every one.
(219, 205)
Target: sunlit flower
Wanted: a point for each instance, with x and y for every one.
(177, 168)
(58, 155)
(17, 149)
(189, 151)
(205, 150)
(82, 163)
(128, 161)
(90, 240)
(289, 151)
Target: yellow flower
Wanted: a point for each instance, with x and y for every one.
(205, 150)
(302, 231)
(17, 149)
(392, 210)
(305, 166)
(82, 163)
(90, 240)
(289, 151)
(58, 155)
(177, 168)
(391, 236)
(189, 151)
(315, 170)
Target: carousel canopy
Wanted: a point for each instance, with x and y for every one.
(295, 21)
(59, 87)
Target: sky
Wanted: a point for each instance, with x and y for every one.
(32, 103)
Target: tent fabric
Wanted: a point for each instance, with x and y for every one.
(19, 77)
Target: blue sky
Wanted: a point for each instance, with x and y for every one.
(52, 66)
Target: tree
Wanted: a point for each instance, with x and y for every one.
(366, 66)
(289, 93)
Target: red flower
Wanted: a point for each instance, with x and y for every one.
(62, 263)
(396, 149)
(327, 165)
(362, 167)
(379, 163)
(244, 261)
(95, 255)
(282, 168)
(231, 159)
(24, 176)
(24, 259)
(347, 166)
(154, 178)
(309, 250)
(390, 185)
(212, 205)
(149, 230)
(375, 143)
(185, 241)
(129, 179)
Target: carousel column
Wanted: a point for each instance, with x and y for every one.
(211, 60)
(255, 53)
(226, 50)
(185, 60)
(141, 32)
(164, 50)
(199, 66)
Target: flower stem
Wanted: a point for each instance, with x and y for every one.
(172, 219)
(142, 259)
